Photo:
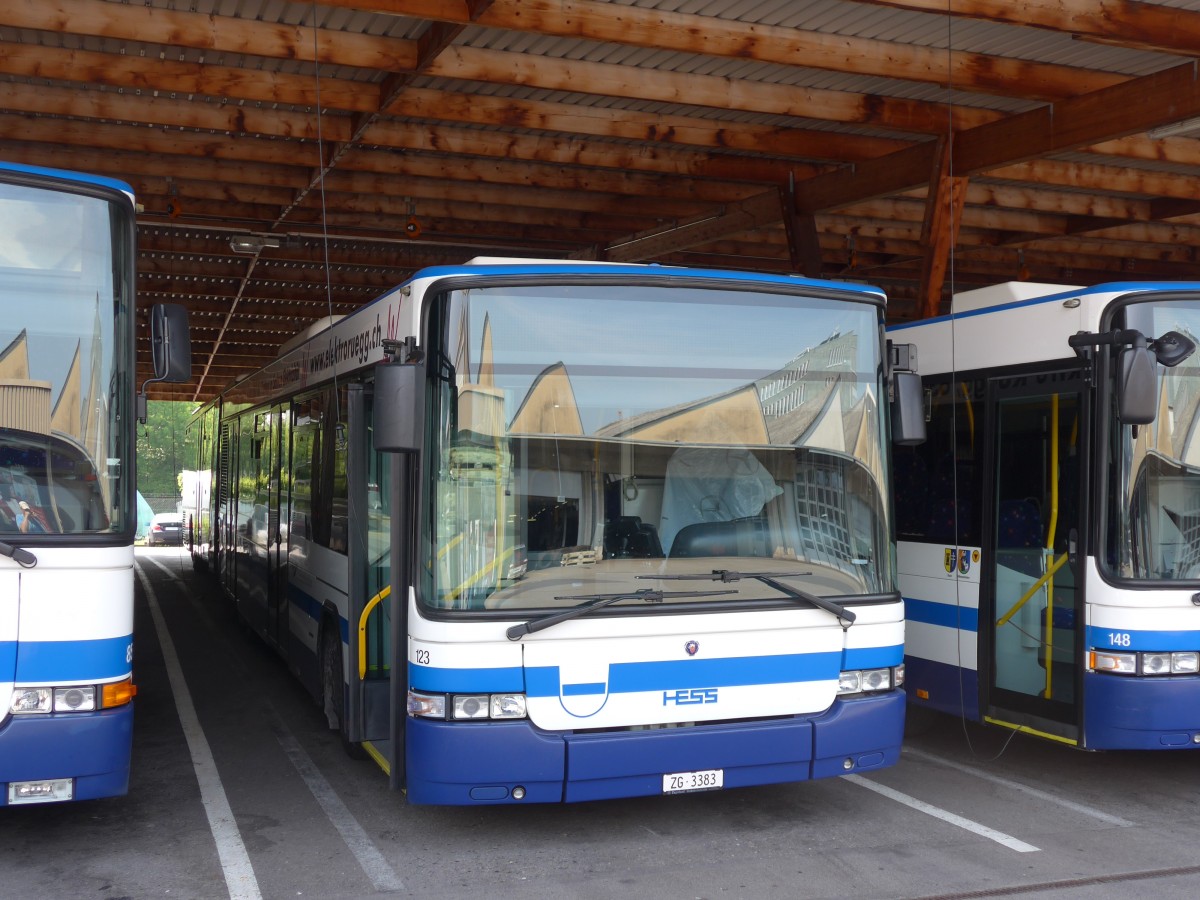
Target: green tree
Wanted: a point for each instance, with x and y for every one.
(164, 447)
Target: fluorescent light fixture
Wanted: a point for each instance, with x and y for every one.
(1175, 128)
(252, 243)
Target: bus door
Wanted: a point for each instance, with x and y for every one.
(279, 496)
(370, 474)
(1029, 590)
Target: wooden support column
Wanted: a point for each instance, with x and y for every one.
(801, 227)
(939, 231)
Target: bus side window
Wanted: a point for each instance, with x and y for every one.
(927, 475)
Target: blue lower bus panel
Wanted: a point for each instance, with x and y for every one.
(452, 763)
(91, 748)
(1153, 713)
(947, 688)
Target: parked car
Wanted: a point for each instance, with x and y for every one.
(165, 529)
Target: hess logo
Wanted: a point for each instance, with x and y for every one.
(689, 696)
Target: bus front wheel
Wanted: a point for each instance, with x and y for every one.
(333, 688)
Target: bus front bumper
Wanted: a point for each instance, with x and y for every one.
(467, 763)
(91, 749)
(1146, 713)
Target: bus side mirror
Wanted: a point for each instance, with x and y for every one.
(170, 349)
(1172, 348)
(908, 407)
(399, 410)
(170, 343)
(1137, 384)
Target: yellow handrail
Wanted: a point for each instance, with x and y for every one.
(494, 565)
(1037, 585)
(362, 629)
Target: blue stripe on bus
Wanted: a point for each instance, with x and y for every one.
(1131, 639)
(62, 661)
(306, 604)
(466, 681)
(544, 681)
(8, 659)
(965, 618)
(872, 657)
(584, 690)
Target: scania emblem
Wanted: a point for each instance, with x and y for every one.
(692, 647)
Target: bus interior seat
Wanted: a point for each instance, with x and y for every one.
(739, 537)
(1019, 524)
(1019, 536)
(628, 537)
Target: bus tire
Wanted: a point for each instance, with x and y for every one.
(333, 690)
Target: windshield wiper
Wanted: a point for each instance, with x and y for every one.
(845, 616)
(22, 556)
(596, 601)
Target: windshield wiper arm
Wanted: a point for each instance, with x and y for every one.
(845, 616)
(23, 557)
(596, 601)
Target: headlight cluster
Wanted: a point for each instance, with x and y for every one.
(76, 698)
(861, 681)
(466, 706)
(1145, 662)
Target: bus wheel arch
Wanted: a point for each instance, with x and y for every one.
(332, 697)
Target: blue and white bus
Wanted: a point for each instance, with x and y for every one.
(549, 531)
(67, 507)
(1049, 528)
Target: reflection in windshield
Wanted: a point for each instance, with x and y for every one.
(1158, 512)
(588, 437)
(60, 452)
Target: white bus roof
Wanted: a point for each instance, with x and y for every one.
(1008, 292)
(1015, 323)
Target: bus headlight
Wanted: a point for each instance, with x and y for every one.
(1156, 663)
(1178, 662)
(31, 700)
(430, 706)
(1185, 663)
(471, 706)
(1118, 663)
(508, 706)
(860, 681)
(468, 707)
(75, 699)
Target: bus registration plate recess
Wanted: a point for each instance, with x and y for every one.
(686, 782)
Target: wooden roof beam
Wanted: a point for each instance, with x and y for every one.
(662, 29)
(182, 80)
(1124, 22)
(224, 34)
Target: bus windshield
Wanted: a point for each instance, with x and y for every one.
(586, 439)
(1155, 513)
(64, 431)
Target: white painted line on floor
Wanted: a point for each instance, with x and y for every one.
(991, 834)
(376, 868)
(373, 864)
(235, 861)
(162, 567)
(1017, 786)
